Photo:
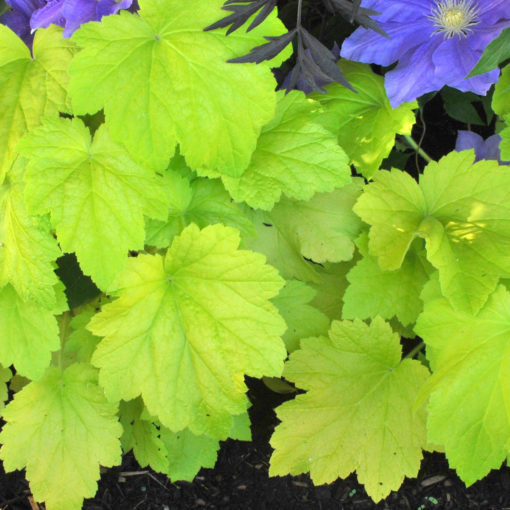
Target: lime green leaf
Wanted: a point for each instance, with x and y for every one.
(187, 327)
(28, 250)
(469, 407)
(200, 201)
(459, 208)
(505, 140)
(325, 226)
(29, 333)
(142, 436)
(163, 80)
(501, 97)
(241, 427)
(188, 453)
(496, 52)
(295, 156)
(95, 193)
(373, 291)
(5, 377)
(303, 320)
(81, 343)
(357, 413)
(331, 287)
(61, 429)
(281, 248)
(30, 88)
(366, 123)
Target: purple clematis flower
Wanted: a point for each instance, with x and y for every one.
(28, 15)
(436, 43)
(484, 149)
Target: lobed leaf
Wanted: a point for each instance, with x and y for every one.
(357, 413)
(163, 80)
(187, 327)
(61, 429)
(30, 88)
(96, 194)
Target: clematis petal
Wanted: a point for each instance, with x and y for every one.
(27, 7)
(107, 7)
(370, 47)
(468, 140)
(50, 14)
(77, 12)
(414, 75)
(19, 24)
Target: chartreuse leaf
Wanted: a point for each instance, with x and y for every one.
(281, 248)
(469, 407)
(81, 343)
(188, 453)
(295, 156)
(187, 327)
(163, 80)
(142, 436)
(5, 377)
(366, 122)
(501, 105)
(324, 226)
(61, 429)
(462, 210)
(180, 455)
(357, 413)
(302, 319)
(373, 291)
(194, 200)
(30, 87)
(28, 250)
(96, 194)
(28, 334)
(501, 96)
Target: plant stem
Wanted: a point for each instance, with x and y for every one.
(415, 351)
(418, 149)
(299, 8)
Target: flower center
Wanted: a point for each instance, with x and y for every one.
(454, 17)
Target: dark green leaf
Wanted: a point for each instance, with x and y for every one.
(497, 51)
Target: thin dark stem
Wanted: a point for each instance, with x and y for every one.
(299, 8)
(412, 353)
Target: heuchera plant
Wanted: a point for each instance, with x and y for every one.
(222, 225)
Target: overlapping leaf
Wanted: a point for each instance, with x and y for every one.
(302, 319)
(30, 87)
(324, 226)
(162, 80)
(194, 200)
(501, 105)
(357, 413)
(462, 210)
(187, 327)
(295, 156)
(373, 291)
(96, 194)
(28, 250)
(28, 334)
(366, 123)
(469, 407)
(61, 429)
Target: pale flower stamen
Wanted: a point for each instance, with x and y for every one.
(454, 17)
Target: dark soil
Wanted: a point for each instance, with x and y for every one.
(240, 481)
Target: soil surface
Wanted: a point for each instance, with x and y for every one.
(240, 481)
